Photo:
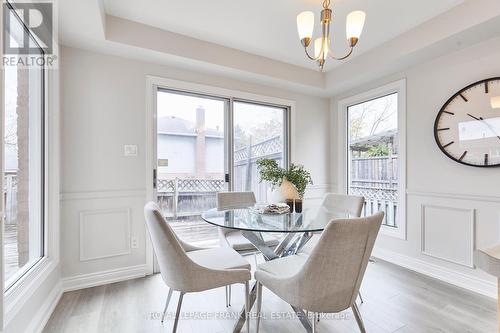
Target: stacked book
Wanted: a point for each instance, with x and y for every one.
(278, 208)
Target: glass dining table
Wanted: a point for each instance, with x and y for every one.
(296, 229)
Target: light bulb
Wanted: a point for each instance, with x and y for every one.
(354, 26)
(318, 43)
(495, 102)
(305, 25)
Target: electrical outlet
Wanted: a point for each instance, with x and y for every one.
(134, 243)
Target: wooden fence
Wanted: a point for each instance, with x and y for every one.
(246, 174)
(376, 179)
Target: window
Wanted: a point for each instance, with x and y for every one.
(374, 153)
(207, 143)
(259, 132)
(23, 192)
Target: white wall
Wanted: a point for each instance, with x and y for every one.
(103, 108)
(440, 192)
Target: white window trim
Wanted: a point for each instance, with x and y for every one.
(20, 293)
(394, 87)
(155, 82)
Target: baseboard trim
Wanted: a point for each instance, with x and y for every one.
(458, 279)
(43, 314)
(103, 277)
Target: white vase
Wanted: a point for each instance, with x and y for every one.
(279, 194)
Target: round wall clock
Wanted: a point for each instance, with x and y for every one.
(467, 128)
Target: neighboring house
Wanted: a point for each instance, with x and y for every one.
(182, 144)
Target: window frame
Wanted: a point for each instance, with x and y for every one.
(154, 83)
(398, 87)
(21, 292)
(19, 276)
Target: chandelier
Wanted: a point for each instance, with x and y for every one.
(322, 49)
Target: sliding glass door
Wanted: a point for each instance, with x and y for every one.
(259, 131)
(191, 159)
(207, 144)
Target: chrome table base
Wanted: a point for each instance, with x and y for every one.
(290, 245)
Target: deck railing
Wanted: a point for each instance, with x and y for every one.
(10, 197)
(181, 197)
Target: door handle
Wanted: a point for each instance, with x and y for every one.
(154, 178)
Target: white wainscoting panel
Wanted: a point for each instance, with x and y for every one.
(96, 227)
(448, 233)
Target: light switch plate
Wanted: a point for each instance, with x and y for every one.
(130, 150)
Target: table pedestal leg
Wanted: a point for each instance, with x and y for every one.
(288, 247)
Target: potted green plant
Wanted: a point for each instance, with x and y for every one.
(286, 184)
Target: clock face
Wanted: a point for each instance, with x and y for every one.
(467, 128)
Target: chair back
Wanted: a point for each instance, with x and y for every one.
(175, 265)
(235, 200)
(351, 204)
(331, 276)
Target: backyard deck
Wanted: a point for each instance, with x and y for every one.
(196, 232)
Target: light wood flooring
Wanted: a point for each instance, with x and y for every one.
(395, 300)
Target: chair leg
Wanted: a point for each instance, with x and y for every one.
(228, 296)
(178, 312)
(359, 320)
(247, 305)
(314, 323)
(166, 304)
(360, 297)
(259, 305)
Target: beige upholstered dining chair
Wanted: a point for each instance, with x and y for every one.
(349, 204)
(327, 280)
(234, 238)
(186, 268)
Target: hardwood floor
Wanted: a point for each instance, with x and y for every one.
(395, 300)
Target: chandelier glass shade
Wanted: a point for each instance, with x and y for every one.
(322, 45)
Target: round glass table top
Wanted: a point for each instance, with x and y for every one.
(310, 220)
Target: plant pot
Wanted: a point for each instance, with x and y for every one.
(279, 194)
(298, 205)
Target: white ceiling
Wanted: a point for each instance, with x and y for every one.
(267, 28)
